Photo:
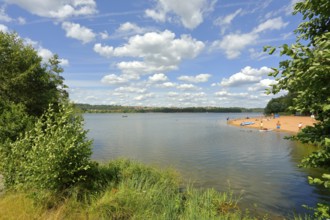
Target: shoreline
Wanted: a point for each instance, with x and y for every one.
(288, 124)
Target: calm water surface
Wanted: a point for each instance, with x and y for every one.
(210, 153)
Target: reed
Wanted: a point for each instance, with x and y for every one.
(134, 191)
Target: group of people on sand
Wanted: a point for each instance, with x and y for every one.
(278, 125)
(290, 123)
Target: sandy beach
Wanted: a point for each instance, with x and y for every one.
(287, 123)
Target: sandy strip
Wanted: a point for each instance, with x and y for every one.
(288, 123)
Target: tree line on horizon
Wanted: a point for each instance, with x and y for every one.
(88, 108)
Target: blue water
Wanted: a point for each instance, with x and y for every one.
(261, 166)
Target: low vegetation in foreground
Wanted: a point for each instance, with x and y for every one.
(123, 189)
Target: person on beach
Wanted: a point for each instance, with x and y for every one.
(300, 126)
(261, 125)
(313, 117)
(278, 125)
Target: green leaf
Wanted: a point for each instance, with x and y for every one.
(271, 51)
(265, 48)
(326, 107)
(326, 176)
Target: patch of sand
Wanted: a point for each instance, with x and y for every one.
(288, 123)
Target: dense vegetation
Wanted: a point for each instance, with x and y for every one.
(131, 109)
(280, 105)
(306, 73)
(25, 79)
(27, 85)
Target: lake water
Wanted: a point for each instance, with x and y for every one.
(209, 153)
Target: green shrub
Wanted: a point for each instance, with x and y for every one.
(54, 155)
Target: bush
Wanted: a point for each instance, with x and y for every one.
(54, 155)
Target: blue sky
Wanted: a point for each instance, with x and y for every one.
(158, 52)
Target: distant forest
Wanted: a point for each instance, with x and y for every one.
(87, 108)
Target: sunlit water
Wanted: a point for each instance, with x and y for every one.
(208, 152)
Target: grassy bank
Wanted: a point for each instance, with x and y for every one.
(125, 189)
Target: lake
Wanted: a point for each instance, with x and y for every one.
(207, 152)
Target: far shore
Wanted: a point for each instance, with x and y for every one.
(287, 123)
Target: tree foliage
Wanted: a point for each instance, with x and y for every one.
(306, 73)
(280, 104)
(13, 121)
(25, 79)
(54, 155)
(42, 141)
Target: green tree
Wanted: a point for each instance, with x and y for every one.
(275, 105)
(54, 155)
(280, 104)
(13, 121)
(25, 79)
(307, 74)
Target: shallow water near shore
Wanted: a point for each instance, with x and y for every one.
(209, 153)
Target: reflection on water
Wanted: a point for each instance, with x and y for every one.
(210, 153)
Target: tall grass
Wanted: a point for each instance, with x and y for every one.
(126, 189)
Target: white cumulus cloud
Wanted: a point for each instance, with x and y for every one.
(113, 79)
(106, 51)
(130, 27)
(129, 89)
(4, 28)
(262, 85)
(167, 85)
(233, 44)
(57, 9)
(190, 13)
(144, 97)
(224, 93)
(158, 77)
(186, 87)
(195, 79)
(104, 35)
(271, 24)
(247, 75)
(44, 53)
(159, 52)
(76, 31)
